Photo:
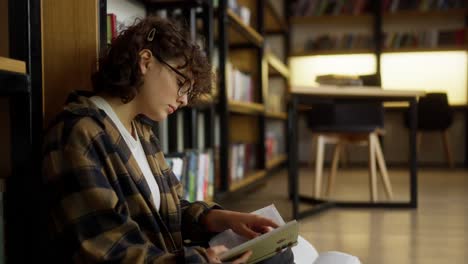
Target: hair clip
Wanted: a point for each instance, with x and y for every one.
(151, 35)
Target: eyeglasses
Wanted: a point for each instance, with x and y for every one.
(185, 86)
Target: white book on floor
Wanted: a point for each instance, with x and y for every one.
(303, 251)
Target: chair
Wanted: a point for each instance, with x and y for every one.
(434, 115)
(348, 122)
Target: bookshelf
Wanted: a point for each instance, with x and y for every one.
(240, 32)
(249, 178)
(246, 108)
(15, 93)
(280, 159)
(12, 66)
(243, 122)
(405, 26)
(276, 66)
(274, 22)
(277, 77)
(195, 128)
(21, 98)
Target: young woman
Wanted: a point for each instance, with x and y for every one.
(111, 195)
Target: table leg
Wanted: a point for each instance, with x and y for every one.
(293, 156)
(413, 157)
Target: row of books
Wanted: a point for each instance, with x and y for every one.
(421, 5)
(242, 11)
(356, 7)
(242, 160)
(330, 7)
(427, 39)
(196, 171)
(274, 140)
(346, 41)
(239, 86)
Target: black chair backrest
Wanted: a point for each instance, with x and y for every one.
(347, 115)
(434, 112)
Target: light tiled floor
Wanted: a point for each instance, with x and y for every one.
(436, 232)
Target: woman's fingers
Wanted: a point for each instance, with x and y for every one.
(266, 222)
(262, 229)
(214, 252)
(248, 232)
(243, 258)
(219, 249)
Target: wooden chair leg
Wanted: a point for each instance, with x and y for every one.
(319, 165)
(383, 168)
(372, 169)
(448, 152)
(344, 161)
(331, 178)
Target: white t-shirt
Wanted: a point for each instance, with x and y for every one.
(135, 147)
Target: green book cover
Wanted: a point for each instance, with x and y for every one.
(266, 245)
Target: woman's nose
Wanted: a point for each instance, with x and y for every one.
(183, 100)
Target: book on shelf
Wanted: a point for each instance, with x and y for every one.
(111, 27)
(425, 39)
(393, 6)
(195, 170)
(242, 11)
(339, 80)
(242, 160)
(339, 42)
(330, 7)
(239, 86)
(275, 141)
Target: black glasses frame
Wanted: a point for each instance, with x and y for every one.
(183, 88)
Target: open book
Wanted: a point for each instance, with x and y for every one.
(268, 244)
(263, 246)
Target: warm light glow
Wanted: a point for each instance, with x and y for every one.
(429, 71)
(305, 69)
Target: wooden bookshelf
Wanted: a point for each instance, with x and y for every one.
(277, 161)
(274, 22)
(11, 65)
(247, 180)
(333, 52)
(242, 33)
(330, 19)
(277, 115)
(246, 107)
(276, 66)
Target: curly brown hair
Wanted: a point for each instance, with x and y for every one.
(119, 72)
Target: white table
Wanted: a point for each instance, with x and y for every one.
(305, 95)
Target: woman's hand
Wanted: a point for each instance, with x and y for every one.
(247, 225)
(214, 252)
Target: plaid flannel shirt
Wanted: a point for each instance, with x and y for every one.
(100, 206)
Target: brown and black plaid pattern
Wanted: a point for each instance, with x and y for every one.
(100, 205)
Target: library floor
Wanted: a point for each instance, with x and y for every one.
(436, 232)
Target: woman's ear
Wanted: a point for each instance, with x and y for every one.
(145, 60)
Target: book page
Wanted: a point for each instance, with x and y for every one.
(333, 257)
(230, 239)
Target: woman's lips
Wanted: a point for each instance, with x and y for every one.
(171, 109)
